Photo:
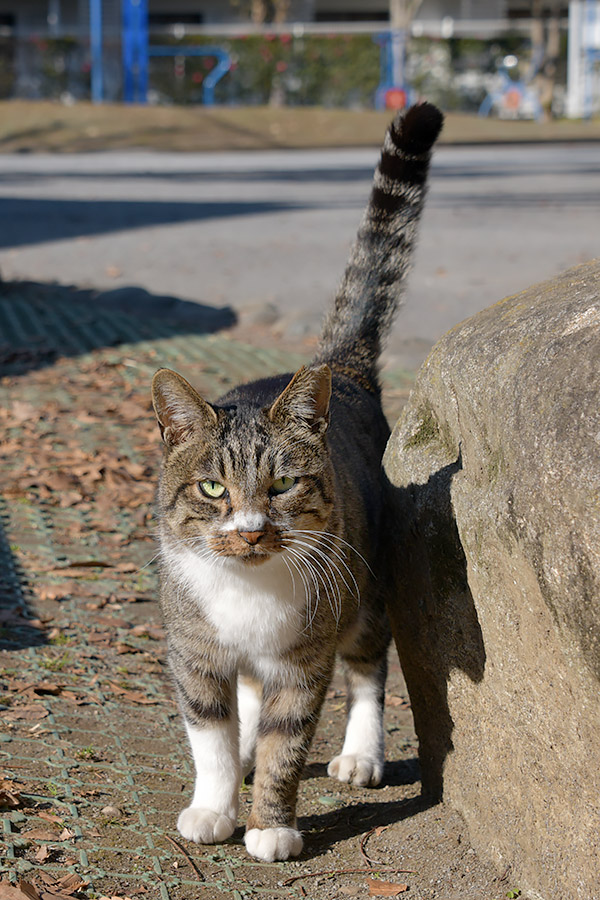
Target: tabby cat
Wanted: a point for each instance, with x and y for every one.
(272, 538)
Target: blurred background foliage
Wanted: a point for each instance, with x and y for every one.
(329, 70)
(335, 70)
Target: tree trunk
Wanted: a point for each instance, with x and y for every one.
(258, 11)
(545, 50)
(281, 9)
(402, 12)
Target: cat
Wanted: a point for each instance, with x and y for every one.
(273, 543)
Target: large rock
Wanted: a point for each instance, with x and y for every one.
(495, 484)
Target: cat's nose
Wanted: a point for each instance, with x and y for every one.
(251, 537)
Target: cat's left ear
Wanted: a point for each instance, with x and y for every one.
(305, 399)
(180, 410)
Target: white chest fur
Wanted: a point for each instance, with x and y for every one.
(257, 611)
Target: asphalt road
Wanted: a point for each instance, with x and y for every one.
(252, 229)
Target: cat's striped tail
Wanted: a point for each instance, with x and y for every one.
(372, 287)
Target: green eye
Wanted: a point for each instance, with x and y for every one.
(212, 489)
(281, 485)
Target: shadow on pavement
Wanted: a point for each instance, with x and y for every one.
(328, 828)
(18, 629)
(40, 322)
(29, 221)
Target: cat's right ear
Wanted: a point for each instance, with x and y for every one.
(180, 410)
(305, 399)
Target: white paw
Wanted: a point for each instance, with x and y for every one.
(273, 843)
(204, 826)
(360, 770)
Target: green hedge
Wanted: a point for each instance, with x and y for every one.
(337, 70)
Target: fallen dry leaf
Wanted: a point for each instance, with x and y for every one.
(29, 713)
(385, 888)
(79, 699)
(133, 696)
(23, 412)
(42, 854)
(84, 564)
(40, 834)
(69, 499)
(52, 591)
(49, 817)
(52, 888)
(114, 897)
(10, 797)
(23, 891)
(122, 647)
(156, 632)
(392, 700)
(45, 687)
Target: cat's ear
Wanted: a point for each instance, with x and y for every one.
(305, 399)
(180, 410)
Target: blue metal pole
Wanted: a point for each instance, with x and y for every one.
(210, 82)
(96, 50)
(134, 42)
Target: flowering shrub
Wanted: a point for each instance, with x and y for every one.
(334, 70)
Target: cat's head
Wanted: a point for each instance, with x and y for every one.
(238, 478)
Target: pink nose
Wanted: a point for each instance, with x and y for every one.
(251, 537)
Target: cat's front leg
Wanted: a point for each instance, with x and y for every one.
(287, 724)
(209, 710)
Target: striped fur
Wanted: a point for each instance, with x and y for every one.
(372, 287)
(274, 546)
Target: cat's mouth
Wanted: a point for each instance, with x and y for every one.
(251, 548)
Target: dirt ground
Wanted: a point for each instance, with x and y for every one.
(95, 766)
(45, 126)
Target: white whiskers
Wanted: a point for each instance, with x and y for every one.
(325, 564)
(331, 538)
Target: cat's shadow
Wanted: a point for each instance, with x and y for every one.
(323, 829)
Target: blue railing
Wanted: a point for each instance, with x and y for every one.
(213, 77)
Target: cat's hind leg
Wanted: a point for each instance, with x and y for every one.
(361, 761)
